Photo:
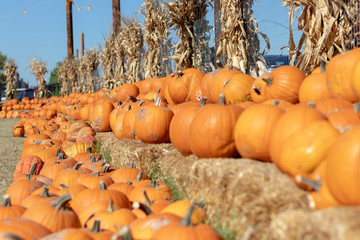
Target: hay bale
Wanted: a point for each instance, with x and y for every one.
(329, 224)
(242, 195)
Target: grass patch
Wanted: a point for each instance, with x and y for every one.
(105, 153)
(225, 233)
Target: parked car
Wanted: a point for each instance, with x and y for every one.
(274, 61)
(22, 92)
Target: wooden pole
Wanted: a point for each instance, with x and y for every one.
(116, 15)
(217, 24)
(69, 28)
(82, 45)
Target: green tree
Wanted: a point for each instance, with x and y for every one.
(2, 64)
(54, 74)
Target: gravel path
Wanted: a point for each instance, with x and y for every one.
(10, 149)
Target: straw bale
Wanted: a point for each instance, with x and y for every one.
(243, 194)
(239, 194)
(330, 224)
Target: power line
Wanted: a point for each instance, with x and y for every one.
(26, 9)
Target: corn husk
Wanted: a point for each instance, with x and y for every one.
(107, 60)
(82, 75)
(63, 78)
(156, 28)
(131, 40)
(73, 68)
(326, 28)
(38, 68)
(239, 40)
(91, 62)
(120, 61)
(183, 15)
(10, 70)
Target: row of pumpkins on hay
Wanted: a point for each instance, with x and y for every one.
(63, 189)
(306, 125)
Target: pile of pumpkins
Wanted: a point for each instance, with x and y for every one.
(307, 125)
(63, 189)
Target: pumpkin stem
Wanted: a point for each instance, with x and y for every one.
(124, 233)
(186, 221)
(110, 207)
(311, 104)
(45, 192)
(139, 176)
(356, 107)
(129, 182)
(322, 65)
(96, 226)
(203, 101)
(77, 165)
(11, 236)
(61, 201)
(314, 184)
(222, 99)
(102, 185)
(219, 64)
(268, 81)
(95, 174)
(63, 186)
(60, 156)
(257, 90)
(148, 202)
(32, 171)
(154, 184)
(58, 151)
(158, 102)
(7, 202)
(132, 165)
(37, 131)
(227, 81)
(106, 168)
(276, 102)
(143, 207)
(88, 150)
(344, 129)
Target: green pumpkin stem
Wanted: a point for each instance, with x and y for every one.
(88, 150)
(61, 201)
(203, 101)
(222, 99)
(124, 233)
(356, 107)
(63, 186)
(96, 226)
(226, 83)
(313, 184)
(148, 201)
(60, 156)
(158, 102)
(45, 192)
(139, 176)
(154, 184)
(32, 171)
(11, 236)
(77, 165)
(143, 207)
(322, 66)
(311, 104)
(58, 151)
(110, 207)
(95, 174)
(132, 165)
(186, 221)
(102, 185)
(268, 81)
(106, 168)
(7, 202)
(276, 102)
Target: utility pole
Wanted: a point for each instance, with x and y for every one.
(116, 15)
(69, 28)
(82, 45)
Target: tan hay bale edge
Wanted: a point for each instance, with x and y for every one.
(240, 195)
(329, 224)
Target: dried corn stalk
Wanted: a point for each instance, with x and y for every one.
(107, 60)
(82, 75)
(239, 40)
(156, 28)
(182, 15)
(73, 67)
(91, 61)
(38, 68)
(63, 78)
(120, 60)
(325, 26)
(131, 41)
(10, 70)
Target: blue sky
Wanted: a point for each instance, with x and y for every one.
(41, 33)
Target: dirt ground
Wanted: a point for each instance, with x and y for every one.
(10, 149)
